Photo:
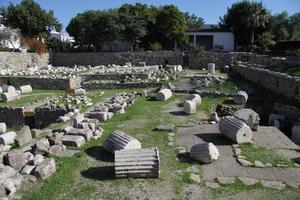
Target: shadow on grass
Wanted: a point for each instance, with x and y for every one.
(151, 98)
(178, 113)
(185, 158)
(215, 138)
(228, 102)
(99, 173)
(99, 153)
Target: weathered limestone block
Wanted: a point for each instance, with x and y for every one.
(101, 108)
(38, 159)
(118, 109)
(195, 97)
(163, 95)
(79, 91)
(26, 89)
(73, 140)
(296, 133)
(189, 107)
(10, 96)
(214, 117)
(235, 129)
(64, 118)
(15, 160)
(240, 97)
(41, 147)
(101, 116)
(8, 138)
(79, 117)
(27, 169)
(57, 150)
(137, 163)
(24, 137)
(8, 89)
(249, 116)
(211, 68)
(118, 140)
(205, 153)
(2, 128)
(86, 133)
(1, 90)
(55, 138)
(45, 169)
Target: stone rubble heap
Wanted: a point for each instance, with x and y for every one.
(204, 81)
(9, 93)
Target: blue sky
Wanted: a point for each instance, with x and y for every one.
(209, 10)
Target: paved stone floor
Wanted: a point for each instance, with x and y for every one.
(226, 165)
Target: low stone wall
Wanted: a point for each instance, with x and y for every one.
(95, 86)
(16, 60)
(119, 58)
(45, 116)
(13, 117)
(275, 81)
(41, 83)
(87, 77)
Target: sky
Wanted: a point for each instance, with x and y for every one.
(209, 10)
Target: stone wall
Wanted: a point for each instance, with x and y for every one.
(41, 83)
(13, 117)
(95, 86)
(45, 116)
(87, 77)
(119, 58)
(277, 82)
(17, 60)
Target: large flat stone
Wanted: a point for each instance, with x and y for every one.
(271, 137)
(73, 140)
(24, 137)
(45, 169)
(273, 184)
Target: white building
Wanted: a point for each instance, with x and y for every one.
(62, 36)
(212, 38)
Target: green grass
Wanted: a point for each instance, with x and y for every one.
(265, 155)
(36, 95)
(228, 86)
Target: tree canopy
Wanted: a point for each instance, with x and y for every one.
(192, 21)
(248, 21)
(29, 18)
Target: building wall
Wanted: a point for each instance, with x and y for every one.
(220, 38)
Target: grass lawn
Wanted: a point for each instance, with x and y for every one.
(89, 175)
(265, 155)
(36, 95)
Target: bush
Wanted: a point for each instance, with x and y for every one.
(56, 45)
(198, 50)
(156, 46)
(35, 45)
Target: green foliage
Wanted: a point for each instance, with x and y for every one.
(264, 42)
(156, 46)
(198, 50)
(192, 21)
(56, 45)
(30, 18)
(248, 20)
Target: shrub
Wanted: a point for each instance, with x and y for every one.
(198, 50)
(35, 45)
(156, 46)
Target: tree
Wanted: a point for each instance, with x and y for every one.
(280, 26)
(248, 20)
(294, 26)
(29, 18)
(170, 26)
(192, 21)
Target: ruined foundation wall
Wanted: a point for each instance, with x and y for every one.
(119, 58)
(12, 116)
(17, 60)
(275, 81)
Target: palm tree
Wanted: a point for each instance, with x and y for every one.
(258, 19)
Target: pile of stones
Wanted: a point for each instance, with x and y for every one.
(204, 81)
(9, 93)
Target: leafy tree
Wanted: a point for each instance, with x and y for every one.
(170, 26)
(248, 20)
(192, 21)
(29, 18)
(280, 26)
(294, 26)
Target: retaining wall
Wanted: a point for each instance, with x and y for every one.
(87, 77)
(13, 117)
(94, 86)
(41, 83)
(277, 82)
(16, 60)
